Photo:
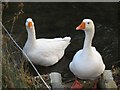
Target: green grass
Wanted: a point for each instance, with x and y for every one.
(12, 76)
(14, 73)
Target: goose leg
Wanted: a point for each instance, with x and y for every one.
(76, 85)
(95, 85)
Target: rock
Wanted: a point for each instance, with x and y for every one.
(107, 80)
(56, 80)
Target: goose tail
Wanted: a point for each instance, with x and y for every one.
(67, 39)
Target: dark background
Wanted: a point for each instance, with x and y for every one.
(55, 19)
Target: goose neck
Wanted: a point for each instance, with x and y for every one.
(88, 39)
(31, 34)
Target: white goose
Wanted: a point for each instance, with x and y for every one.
(44, 52)
(87, 63)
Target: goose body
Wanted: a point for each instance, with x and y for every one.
(45, 52)
(87, 63)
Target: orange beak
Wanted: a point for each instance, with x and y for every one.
(81, 26)
(29, 24)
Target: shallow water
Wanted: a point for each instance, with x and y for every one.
(60, 19)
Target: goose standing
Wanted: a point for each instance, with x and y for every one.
(45, 52)
(87, 63)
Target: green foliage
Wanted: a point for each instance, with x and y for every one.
(12, 72)
(15, 72)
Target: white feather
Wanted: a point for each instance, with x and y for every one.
(42, 51)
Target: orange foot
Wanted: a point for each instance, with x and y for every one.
(76, 85)
(95, 85)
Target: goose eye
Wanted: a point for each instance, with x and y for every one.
(88, 22)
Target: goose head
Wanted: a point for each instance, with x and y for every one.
(86, 25)
(29, 23)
